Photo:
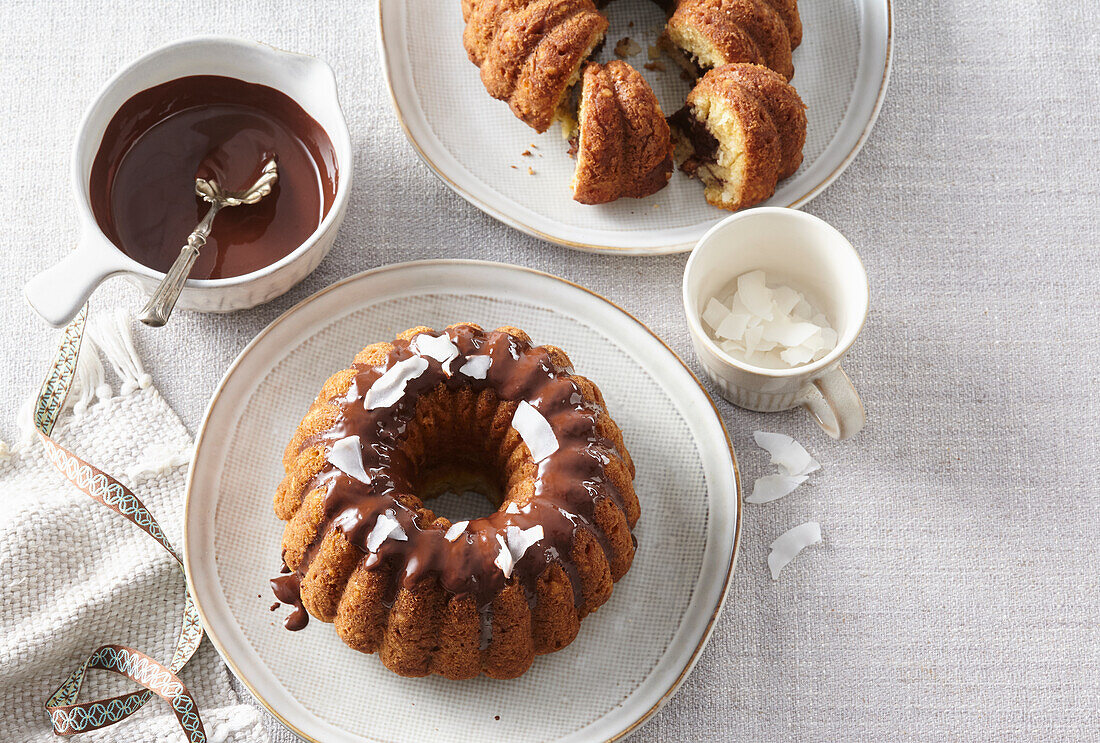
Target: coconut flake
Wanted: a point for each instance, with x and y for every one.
(512, 508)
(773, 487)
(520, 540)
(790, 334)
(386, 527)
(753, 290)
(786, 453)
(715, 313)
(438, 347)
(388, 389)
(733, 326)
(790, 543)
(535, 431)
(772, 327)
(456, 530)
(504, 559)
(476, 367)
(346, 455)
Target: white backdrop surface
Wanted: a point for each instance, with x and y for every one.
(957, 593)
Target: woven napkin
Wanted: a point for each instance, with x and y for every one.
(75, 576)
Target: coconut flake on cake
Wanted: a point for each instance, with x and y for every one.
(386, 527)
(535, 431)
(456, 530)
(389, 388)
(438, 347)
(476, 367)
(770, 326)
(346, 455)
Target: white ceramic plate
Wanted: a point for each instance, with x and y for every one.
(472, 142)
(629, 657)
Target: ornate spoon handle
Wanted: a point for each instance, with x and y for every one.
(159, 307)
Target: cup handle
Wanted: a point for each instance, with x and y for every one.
(59, 292)
(835, 405)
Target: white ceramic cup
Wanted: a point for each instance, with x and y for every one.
(810, 256)
(58, 293)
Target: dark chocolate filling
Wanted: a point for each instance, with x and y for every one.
(704, 146)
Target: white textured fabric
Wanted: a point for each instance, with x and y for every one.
(75, 575)
(956, 595)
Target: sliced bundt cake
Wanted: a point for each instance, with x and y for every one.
(531, 51)
(460, 408)
(717, 32)
(623, 143)
(741, 131)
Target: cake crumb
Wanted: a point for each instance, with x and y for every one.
(527, 153)
(274, 606)
(530, 170)
(496, 717)
(626, 47)
(656, 65)
(514, 167)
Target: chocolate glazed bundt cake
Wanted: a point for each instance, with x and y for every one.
(741, 132)
(623, 143)
(454, 410)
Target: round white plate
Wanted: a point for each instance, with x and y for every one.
(629, 656)
(475, 144)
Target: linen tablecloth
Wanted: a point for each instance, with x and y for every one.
(957, 592)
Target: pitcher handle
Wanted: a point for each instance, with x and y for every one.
(59, 292)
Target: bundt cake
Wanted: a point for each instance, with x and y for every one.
(717, 32)
(531, 51)
(623, 143)
(741, 131)
(434, 411)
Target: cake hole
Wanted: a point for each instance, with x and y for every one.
(461, 506)
(460, 490)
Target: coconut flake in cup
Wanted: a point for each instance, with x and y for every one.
(774, 298)
(768, 324)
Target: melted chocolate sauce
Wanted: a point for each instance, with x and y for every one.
(704, 145)
(142, 183)
(569, 484)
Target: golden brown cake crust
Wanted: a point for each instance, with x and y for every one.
(734, 31)
(388, 598)
(624, 145)
(783, 104)
(759, 123)
(530, 52)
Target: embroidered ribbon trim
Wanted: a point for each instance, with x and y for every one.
(67, 714)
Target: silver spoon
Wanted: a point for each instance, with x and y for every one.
(159, 307)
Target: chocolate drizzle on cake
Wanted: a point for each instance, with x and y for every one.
(491, 551)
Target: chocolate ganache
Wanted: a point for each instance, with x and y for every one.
(142, 181)
(370, 484)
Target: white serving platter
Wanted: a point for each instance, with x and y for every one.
(472, 142)
(629, 657)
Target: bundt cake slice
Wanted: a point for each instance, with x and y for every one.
(741, 131)
(623, 143)
(459, 408)
(531, 51)
(713, 33)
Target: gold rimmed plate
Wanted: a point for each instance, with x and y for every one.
(477, 147)
(629, 657)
